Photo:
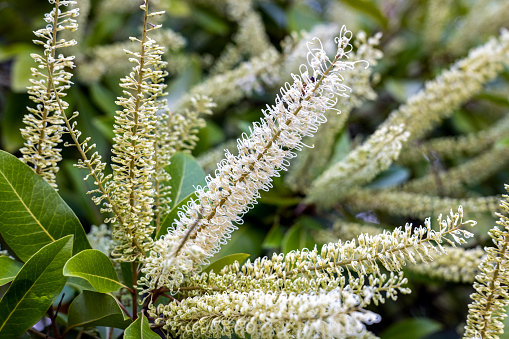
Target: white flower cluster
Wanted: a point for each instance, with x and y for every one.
(207, 221)
(487, 311)
(415, 204)
(334, 314)
(43, 131)
(133, 150)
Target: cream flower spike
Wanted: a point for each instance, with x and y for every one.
(206, 223)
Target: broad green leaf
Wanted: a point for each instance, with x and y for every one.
(96, 268)
(35, 287)
(225, 261)
(140, 329)
(170, 217)
(80, 284)
(8, 269)
(32, 214)
(96, 309)
(415, 328)
(185, 173)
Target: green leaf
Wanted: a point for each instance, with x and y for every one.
(298, 236)
(185, 173)
(274, 237)
(394, 176)
(32, 214)
(96, 309)
(127, 273)
(369, 8)
(96, 268)
(300, 17)
(8, 269)
(21, 73)
(247, 239)
(170, 217)
(140, 329)
(415, 328)
(225, 261)
(104, 99)
(35, 287)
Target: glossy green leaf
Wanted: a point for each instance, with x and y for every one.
(96, 309)
(225, 261)
(8, 269)
(80, 284)
(415, 328)
(140, 329)
(96, 268)
(32, 214)
(35, 287)
(170, 217)
(185, 173)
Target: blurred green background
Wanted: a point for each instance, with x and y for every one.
(278, 223)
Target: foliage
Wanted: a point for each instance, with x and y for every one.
(289, 235)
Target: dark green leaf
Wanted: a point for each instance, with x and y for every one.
(185, 173)
(170, 217)
(35, 287)
(11, 121)
(140, 329)
(32, 214)
(8, 269)
(96, 268)
(96, 309)
(127, 273)
(228, 260)
(416, 328)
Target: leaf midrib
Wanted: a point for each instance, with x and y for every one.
(28, 291)
(26, 207)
